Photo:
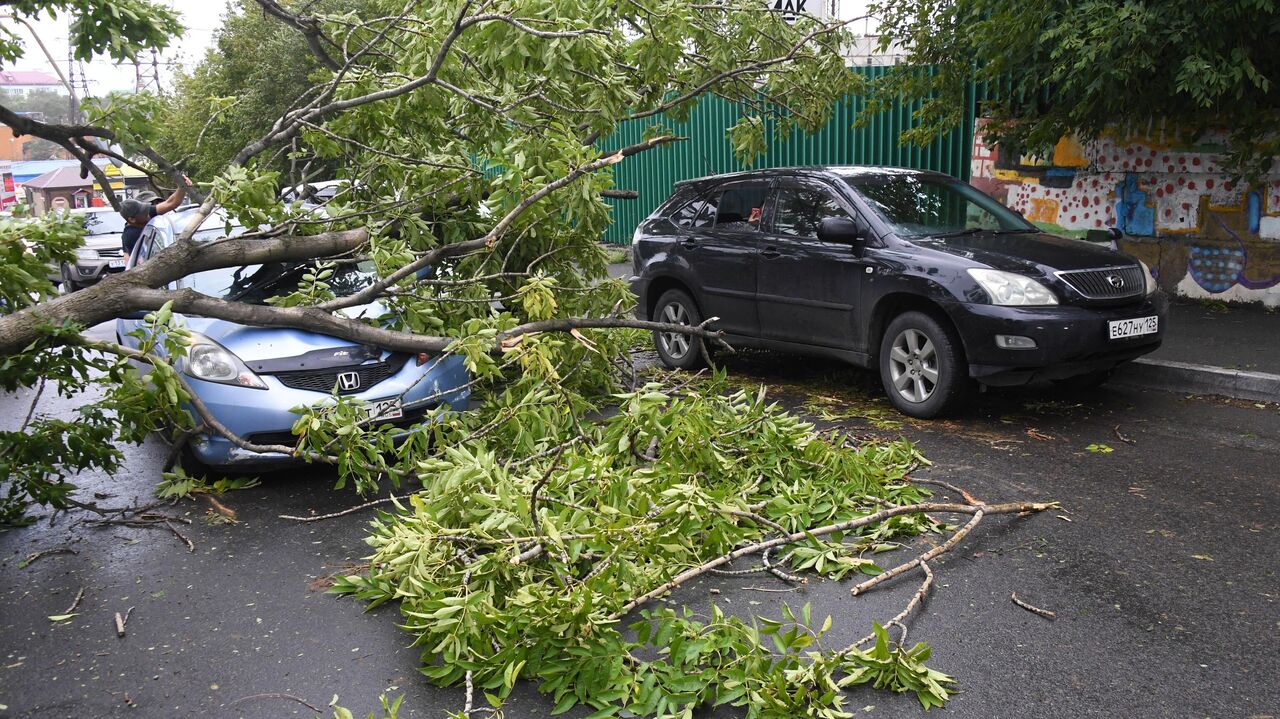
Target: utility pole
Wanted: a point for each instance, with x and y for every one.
(146, 75)
(77, 82)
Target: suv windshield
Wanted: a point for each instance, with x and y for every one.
(253, 284)
(102, 223)
(922, 205)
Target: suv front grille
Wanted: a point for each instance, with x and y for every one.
(324, 380)
(111, 252)
(1107, 283)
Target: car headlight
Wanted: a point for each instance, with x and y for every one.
(211, 362)
(84, 253)
(1151, 281)
(1012, 289)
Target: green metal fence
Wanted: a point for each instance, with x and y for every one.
(707, 151)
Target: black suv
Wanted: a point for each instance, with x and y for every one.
(913, 272)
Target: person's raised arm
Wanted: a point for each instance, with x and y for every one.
(172, 202)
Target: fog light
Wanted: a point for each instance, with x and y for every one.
(1015, 342)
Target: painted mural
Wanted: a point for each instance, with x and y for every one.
(1203, 234)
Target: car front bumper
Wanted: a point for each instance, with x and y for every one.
(89, 272)
(1070, 341)
(264, 416)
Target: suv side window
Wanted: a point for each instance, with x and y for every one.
(696, 214)
(740, 208)
(798, 211)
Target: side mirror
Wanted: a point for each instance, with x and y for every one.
(1115, 233)
(840, 229)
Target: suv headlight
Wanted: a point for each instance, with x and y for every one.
(1012, 289)
(84, 253)
(211, 362)
(1151, 281)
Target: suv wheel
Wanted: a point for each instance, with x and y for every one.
(922, 367)
(677, 351)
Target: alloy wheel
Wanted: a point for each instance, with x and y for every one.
(913, 365)
(675, 344)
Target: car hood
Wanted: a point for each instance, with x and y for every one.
(1021, 252)
(256, 344)
(104, 242)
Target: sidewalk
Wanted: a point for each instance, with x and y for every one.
(1232, 351)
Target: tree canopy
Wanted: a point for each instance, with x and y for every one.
(1050, 69)
(578, 492)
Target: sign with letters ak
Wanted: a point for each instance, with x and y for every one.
(792, 9)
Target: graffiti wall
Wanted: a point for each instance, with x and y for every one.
(1203, 234)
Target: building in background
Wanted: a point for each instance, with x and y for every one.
(24, 81)
(64, 187)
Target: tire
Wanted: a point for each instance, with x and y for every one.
(922, 366)
(69, 285)
(678, 351)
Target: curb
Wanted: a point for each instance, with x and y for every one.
(1190, 378)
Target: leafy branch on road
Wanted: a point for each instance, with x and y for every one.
(530, 555)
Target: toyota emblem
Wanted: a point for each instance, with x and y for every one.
(348, 381)
(1115, 281)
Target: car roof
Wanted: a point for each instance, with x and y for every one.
(845, 171)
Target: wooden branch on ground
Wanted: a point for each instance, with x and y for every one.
(931, 554)
(942, 508)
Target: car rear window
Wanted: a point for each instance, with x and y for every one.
(695, 214)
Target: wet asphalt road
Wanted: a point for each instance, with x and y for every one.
(1161, 567)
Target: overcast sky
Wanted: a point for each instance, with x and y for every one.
(202, 19)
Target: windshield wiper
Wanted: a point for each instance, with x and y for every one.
(957, 233)
(1016, 231)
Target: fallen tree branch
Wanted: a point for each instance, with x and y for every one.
(943, 508)
(351, 510)
(932, 553)
(915, 601)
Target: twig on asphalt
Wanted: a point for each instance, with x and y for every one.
(1123, 438)
(277, 695)
(45, 553)
(1033, 609)
(190, 546)
(75, 602)
(34, 401)
(121, 621)
(351, 510)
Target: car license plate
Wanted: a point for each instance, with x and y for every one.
(116, 264)
(383, 409)
(1122, 329)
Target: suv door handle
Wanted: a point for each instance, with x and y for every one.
(770, 252)
(688, 242)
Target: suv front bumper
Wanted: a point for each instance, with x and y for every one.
(1070, 341)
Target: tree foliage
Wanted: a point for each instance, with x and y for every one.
(1080, 66)
(254, 72)
(468, 132)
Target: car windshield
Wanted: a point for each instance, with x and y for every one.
(923, 205)
(102, 223)
(254, 284)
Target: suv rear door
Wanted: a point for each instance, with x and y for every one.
(720, 248)
(807, 290)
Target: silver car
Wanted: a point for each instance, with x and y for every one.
(102, 252)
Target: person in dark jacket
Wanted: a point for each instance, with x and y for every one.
(138, 212)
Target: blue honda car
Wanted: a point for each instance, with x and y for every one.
(252, 378)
